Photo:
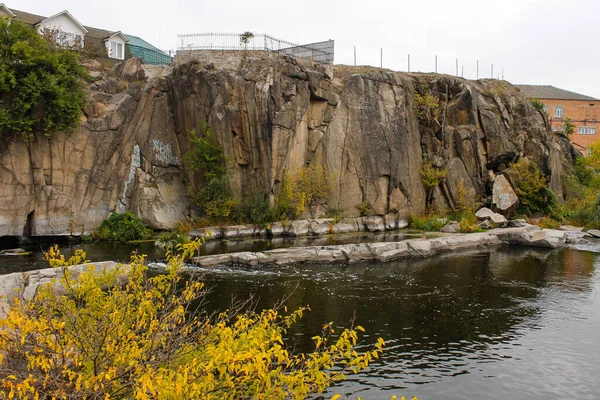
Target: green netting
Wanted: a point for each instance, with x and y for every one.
(148, 56)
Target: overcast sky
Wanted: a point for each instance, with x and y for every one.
(551, 42)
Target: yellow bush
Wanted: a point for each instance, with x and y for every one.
(119, 334)
(299, 192)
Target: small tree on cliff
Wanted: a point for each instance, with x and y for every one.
(40, 88)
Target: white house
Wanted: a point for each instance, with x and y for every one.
(70, 31)
(5, 12)
(115, 45)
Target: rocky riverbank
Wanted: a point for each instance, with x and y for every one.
(25, 284)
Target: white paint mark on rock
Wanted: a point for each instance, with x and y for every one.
(164, 153)
(136, 162)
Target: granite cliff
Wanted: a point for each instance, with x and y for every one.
(371, 129)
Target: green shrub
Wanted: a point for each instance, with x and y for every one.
(468, 221)
(253, 208)
(299, 193)
(122, 228)
(533, 192)
(430, 223)
(40, 86)
(432, 176)
(205, 156)
(427, 106)
(171, 241)
(336, 213)
(215, 198)
(537, 104)
(364, 208)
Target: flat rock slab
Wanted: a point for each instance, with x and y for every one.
(530, 235)
(570, 228)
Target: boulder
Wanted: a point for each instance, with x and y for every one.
(484, 214)
(209, 233)
(451, 227)
(373, 223)
(391, 221)
(484, 224)
(298, 228)
(320, 226)
(342, 228)
(504, 198)
(594, 233)
(131, 70)
(534, 237)
(275, 229)
(498, 219)
(517, 223)
(403, 223)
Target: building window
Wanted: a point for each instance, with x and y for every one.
(116, 50)
(558, 111)
(584, 130)
(545, 110)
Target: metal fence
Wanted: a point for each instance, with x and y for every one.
(322, 52)
(148, 55)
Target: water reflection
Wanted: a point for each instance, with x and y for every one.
(455, 324)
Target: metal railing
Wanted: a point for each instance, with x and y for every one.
(322, 52)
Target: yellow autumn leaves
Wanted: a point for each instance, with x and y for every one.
(121, 333)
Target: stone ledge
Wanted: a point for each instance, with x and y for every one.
(529, 235)
(304, 227)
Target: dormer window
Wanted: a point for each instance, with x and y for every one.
(115, 45)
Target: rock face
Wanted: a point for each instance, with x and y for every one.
(369, 129)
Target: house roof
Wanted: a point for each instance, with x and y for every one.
(551, 92)
(118, 33)
(6, 10)
(137, 41)
(25, 17)
(68, 14)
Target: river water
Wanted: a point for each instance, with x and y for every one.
(499, 323)
(507, 323)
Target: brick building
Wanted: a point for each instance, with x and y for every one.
(582, 111)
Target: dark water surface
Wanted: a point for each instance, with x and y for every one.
(506, 323)
(500, 323)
